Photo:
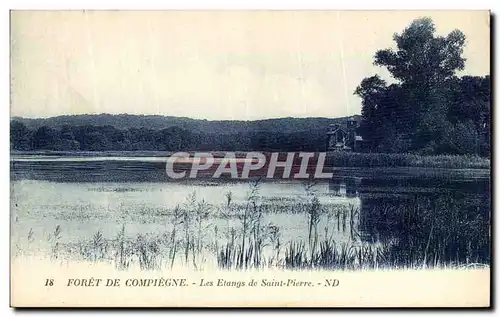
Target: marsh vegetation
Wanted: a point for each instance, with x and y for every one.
(417, 231)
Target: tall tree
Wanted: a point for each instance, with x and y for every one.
(413, 113)
(422, 57)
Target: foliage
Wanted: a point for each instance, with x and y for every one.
(427, 109)
(109, 138)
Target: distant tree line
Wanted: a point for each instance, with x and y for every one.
(427, 109)
(107, 138)
(157, 122)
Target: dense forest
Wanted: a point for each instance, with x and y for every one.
(426, 108)
(96, 133)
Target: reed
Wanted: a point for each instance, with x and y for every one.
(418, 232)
(54, 240)
(148, 252)
(177, 216)
(98, 246)
(122, 261)
(31, 236)
(354, 159)
(186, 221)
(249, 219)
(201, 215)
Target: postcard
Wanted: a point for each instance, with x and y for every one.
(250, 159)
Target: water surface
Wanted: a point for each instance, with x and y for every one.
(444, 214)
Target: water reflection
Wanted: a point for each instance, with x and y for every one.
(345, 186)
(432, 221)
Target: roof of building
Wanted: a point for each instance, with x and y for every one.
(335, 128)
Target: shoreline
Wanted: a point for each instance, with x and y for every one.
(333, 159)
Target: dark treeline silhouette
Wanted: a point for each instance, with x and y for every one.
(126, 132)
(156, 122)
(428, 109)
(106, 138)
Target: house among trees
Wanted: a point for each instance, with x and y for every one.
(343, 137)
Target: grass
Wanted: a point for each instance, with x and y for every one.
(433, 232)
(353, 159)
(332, 256)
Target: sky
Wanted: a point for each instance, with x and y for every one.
(214, 65)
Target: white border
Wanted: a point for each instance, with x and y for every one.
(254, 5)
(180, 5)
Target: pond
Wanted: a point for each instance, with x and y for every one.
(78, 207)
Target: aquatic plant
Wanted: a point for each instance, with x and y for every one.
(54, 240)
